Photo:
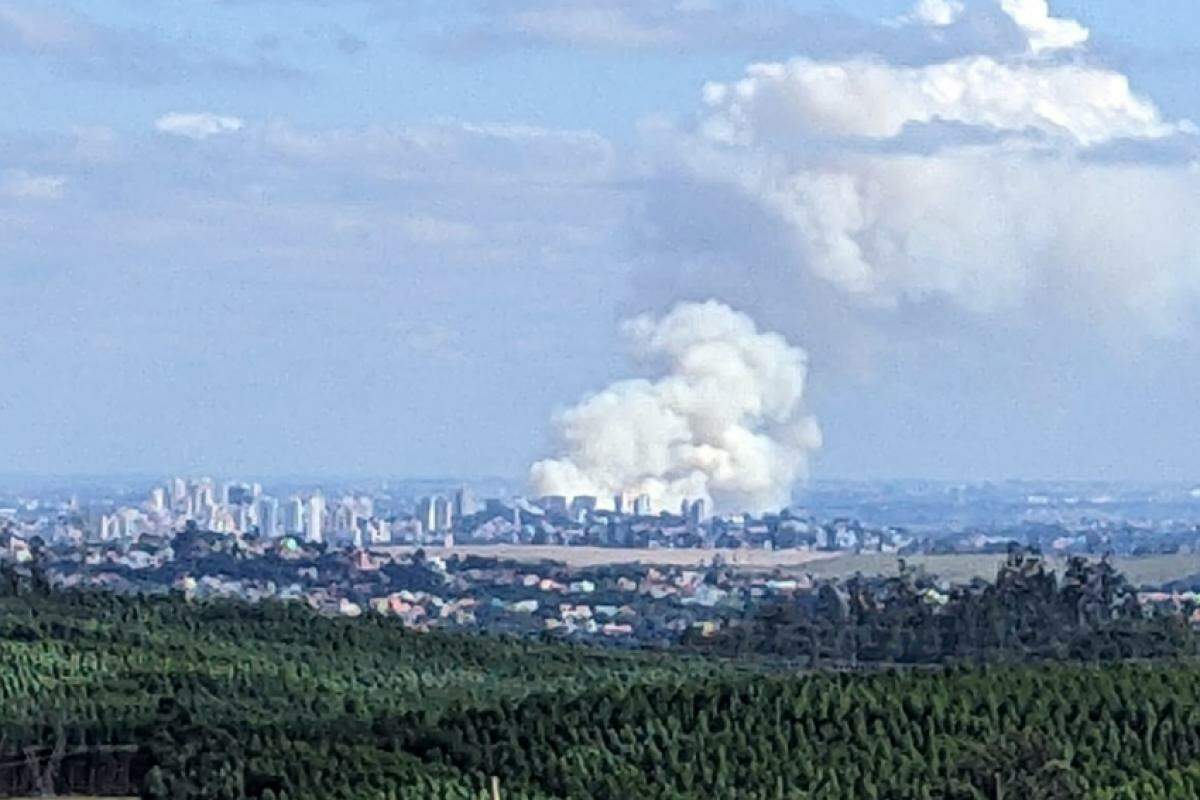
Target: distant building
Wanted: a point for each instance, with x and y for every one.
(464, 503)
(316, 518)
(619, 503)
(293, 516)
(158, 499)
(179, 493)
(345, 518)
(202, 499)
(697, 512)
(443, 514)
(641, 506)
(238, 494)
(268, 517)
(427, 514)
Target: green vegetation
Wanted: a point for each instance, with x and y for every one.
(231, 701)
(1026, 613)
(1149, 571)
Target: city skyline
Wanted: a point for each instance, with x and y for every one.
(357, 240)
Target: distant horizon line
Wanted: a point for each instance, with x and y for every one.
(299, 477)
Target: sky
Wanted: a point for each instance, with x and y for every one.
(358, 237)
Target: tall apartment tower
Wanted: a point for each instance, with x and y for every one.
(293, 516)
(641, 505)
(443, 514)
(315, 531)
(464, 503)
(268, 517)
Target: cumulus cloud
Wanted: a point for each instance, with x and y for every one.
(197, 125)
(877, 100)
(984, 184)
(1045, 32)
(719, 417)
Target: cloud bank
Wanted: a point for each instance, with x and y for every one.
(720, 417)
(1031, 182)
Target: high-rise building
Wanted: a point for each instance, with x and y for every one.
(427, 514)
(158, 499)
(443, 514)
(241, 518)
(619, 503)
(235, 494)
(697, 512)
(315, 531)
(345, 518)
(179, 493)
(464, 503)
(293, 516)
(202, 498)
(107, 527)
(641, 506)
(268, 517)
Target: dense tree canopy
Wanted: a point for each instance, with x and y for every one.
(225, 700)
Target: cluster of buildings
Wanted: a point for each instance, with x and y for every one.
(333, 551)
(234, 508)
(356, 518)
(623, 605)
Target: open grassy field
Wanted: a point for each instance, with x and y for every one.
(1141, 570)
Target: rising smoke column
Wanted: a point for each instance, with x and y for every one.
(721, 417)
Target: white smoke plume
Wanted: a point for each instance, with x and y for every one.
(720, 418)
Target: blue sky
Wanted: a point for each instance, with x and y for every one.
(394, 238)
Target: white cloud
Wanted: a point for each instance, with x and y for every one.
(873, 99)
(1046, 33)
(197, 126)
(981, 185)
(938, 13)
(450, 194)
(991, 231)
(23, 185)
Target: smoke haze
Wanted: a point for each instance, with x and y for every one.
(719, 417)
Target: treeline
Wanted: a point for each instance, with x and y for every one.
(1027, 613)
(224, 701)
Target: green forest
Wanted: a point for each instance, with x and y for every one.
(169, 699)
